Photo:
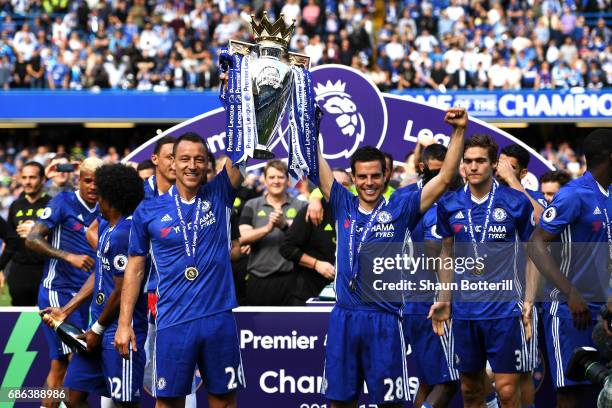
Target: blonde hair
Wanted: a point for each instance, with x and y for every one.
(90, 164)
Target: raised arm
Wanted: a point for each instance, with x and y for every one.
(233, 173)
(505, 171)
(37, 242)
(326, 176)
(458, 119)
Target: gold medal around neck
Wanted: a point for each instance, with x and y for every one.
(100, 298)
(478, 271)
(191, 273)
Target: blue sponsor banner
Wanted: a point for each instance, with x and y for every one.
(136, 106)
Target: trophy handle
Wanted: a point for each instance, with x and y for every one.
(299, 59)
(241, 47)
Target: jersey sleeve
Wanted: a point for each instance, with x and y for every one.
(139, 233)
(247, 214)
(411, 206)
(53, 214)
(430, 227)
(443, 227)
(119, 250)
(340, 200)
(221, 187)
(564, 210)
(525, 219)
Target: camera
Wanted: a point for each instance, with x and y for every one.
(585, 364)
(65, 167)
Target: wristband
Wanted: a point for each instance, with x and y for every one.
(98, 328)
(315, 265)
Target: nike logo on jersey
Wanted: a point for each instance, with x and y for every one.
(166, 218)
(597, 211)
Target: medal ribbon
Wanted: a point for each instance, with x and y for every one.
(364, 235)
(468, 207)
(189, 251)
(303, 127)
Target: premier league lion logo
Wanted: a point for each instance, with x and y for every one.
(345, 95)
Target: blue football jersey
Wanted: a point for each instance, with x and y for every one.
(151, 192)
(156, 226)
(538, 196)
(578, 214)
(426, 230)
(395, 218)
(150, 188)
(510, 221)
(67, 217)
(111, 260)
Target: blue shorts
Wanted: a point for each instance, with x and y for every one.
(209, 342)
(106, 374)
(365, 345)
(80, 318)
(561, 340)
(500, 341)
(433, 355)
(531, 350)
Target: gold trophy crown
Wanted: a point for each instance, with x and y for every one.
(279, 32)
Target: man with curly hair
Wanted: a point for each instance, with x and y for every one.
(102, 371)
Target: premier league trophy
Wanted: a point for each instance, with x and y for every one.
(264, 81)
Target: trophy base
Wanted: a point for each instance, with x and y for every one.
(261, 154)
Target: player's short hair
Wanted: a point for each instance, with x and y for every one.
(212, 162)
(41, 169)
(519, 153)
(189, 137)
(556, 176)
(163, 141)
(597, 147)
(484, 141)
(278, 165)
(435, 151)
(90, 164)
(120, 186)
(368, 154)
(145, 165)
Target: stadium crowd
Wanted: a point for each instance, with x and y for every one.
(13, 156)
(438, 44)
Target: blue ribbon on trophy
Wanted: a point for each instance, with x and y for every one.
(263, 82)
